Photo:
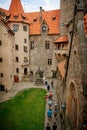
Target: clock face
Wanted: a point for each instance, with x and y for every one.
(44, 28)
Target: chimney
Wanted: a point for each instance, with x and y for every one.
(41, 14)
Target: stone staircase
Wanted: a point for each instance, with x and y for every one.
(39, 81)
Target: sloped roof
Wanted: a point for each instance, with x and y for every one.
(16, 7)
(62, 39)
(61, 67)
(85, 23)
(53, 24)
(17, 14)
(15, 10)
(6, 26)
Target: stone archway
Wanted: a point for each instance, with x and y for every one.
(72, 105)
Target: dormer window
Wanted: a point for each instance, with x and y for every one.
(35, 19)
(15, 17)
(54, 17)
(44, 28)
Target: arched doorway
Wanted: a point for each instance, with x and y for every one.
(72, 105)
(25, 71)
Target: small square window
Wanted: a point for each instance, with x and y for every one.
(1, 74)
(17, 70)
(47, 45)
(49, 61)
(25, 49)
(15, 17)
(0, 42)
(15, 27)
(25, 28)
(17, 59)
(31, 44)
(16, 47)
(25, 40)
(1, 60)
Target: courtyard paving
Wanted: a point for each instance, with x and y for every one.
(26, 85)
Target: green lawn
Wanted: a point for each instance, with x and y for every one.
(26, 111)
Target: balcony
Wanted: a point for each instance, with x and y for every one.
(61, 51)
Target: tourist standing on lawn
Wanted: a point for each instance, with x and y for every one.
(48, 127)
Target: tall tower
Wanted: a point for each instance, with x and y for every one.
(17, 20)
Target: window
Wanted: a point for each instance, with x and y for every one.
(25, 49)
(1, 74)
(31, 44)
(44, 28)
(25, 59)
(17, 59)
(49, 61)
(15, 17)
(1, 60)
(15, 27)
(16, 47)
(25, 28)
(54, 17)
(47, 45)
(17, 70)
(0, 42)
(25, 40)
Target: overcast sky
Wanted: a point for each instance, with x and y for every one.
(33, 5)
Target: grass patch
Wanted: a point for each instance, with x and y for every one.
(26, 111)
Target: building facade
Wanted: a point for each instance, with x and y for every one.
(72, 87)
(6, 55)
(33, 40)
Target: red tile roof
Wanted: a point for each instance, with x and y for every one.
(62, 39)
(61, 67)
(16, 14)
(6, 26)
(16, 7)
(85, 23)
(16, 10)
(53, 24)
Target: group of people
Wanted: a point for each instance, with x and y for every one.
(52, 107)
(54, 126)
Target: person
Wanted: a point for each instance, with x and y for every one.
(48, 87)
(55, 113)
(44, 79)
(50, 103)
(46, 82)
(49, 113)
(54, 127)
(48, 127)
(50, 95)
(52, 84)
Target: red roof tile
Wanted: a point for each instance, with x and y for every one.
(16, 10)
(61, 67)
(85, 23)
(62, 39)
(16, 7)
(16, 14)
(53, 25)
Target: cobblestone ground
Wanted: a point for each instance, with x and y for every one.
(26, 85)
